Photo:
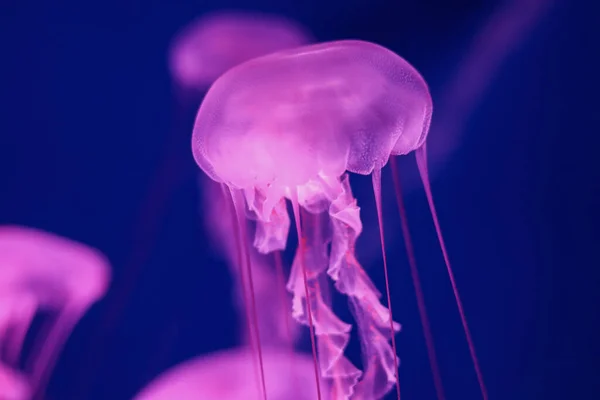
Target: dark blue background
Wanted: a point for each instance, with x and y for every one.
(86, 110)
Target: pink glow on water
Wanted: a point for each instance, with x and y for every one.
(40, 271)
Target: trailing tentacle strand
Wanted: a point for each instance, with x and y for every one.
(372, 317)
(332, 334)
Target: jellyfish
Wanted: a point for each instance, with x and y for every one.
(202, 51)
(229, 375)
(290, 126)
(47, 275)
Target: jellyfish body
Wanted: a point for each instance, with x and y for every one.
(288, 126)
(41, 272)
(229, 375)
(217, 42)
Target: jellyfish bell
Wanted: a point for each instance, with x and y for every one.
(214, 43)
(44, 273)
(229, 375)
(290, 125)
(342, 105)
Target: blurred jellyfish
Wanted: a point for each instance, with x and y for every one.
(199, 54)
(504, 31)
(229, 375)
(214, 43)
(41, 273)
(288, 126)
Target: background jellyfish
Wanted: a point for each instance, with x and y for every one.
(41, 272)
(500, 35)
(217, 42)
(346, 106)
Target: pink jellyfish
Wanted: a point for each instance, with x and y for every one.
(41, 272)
(230, 375)
(199, 54)
(214, 43)
(288, 126)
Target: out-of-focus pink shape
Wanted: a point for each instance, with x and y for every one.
(43, 272)
(501, 34)
(288, 125)
(229, 375)
(217, 42)
(13, 386)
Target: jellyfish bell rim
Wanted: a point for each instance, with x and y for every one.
(203, 160)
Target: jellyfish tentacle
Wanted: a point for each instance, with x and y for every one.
(48, 349)
(373, 318)
(377, 191)
(437, 377)
(332, 334)
(21, 320)
(271, 233)
(244, 251)
(235, 256)
(267, 270)
(421, 155)
(307, 289)
(288, 336)
(283, 298)
(235, 251)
